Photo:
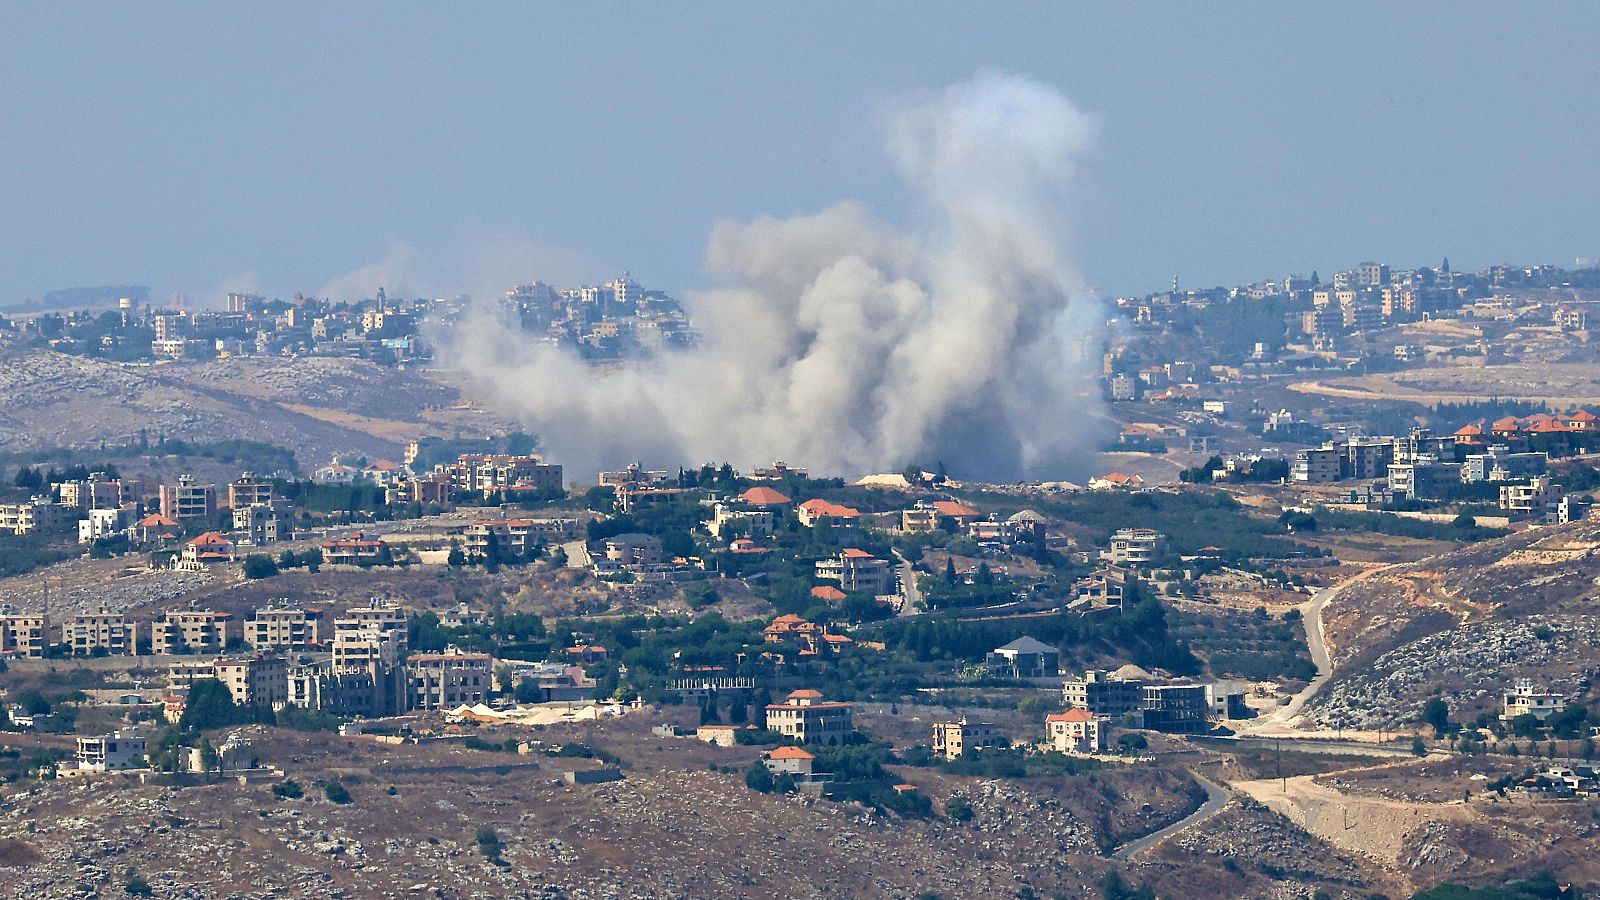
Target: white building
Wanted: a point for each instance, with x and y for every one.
(115, 752)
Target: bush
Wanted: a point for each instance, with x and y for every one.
(958, 808)
(288, 789)
(258, 566)
(489, 843)
(137, 887)
(336, 793)
(759, 778)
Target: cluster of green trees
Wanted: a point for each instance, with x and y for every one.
(1262, 471)
(1462, 528)
(1138, 633)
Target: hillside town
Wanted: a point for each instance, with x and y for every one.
(898, 646)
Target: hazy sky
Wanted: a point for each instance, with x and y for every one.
(447, 147)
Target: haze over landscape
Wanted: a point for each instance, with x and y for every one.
(204, 148)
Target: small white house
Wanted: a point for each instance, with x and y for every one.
(114, 752)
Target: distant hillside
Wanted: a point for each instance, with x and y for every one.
(81, 298)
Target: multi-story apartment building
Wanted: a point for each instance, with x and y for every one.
(1103, 693)
(805, 717)
(1134, 547)
(188, 499)
(447, 680)
(490, 473)
(857, 570)
(100, 633)
(264, 523)
(37, 514)
(259, 680)
(189, 631)
(24, 635)
(1531, 499)
(955, 739)
(284, 629)
(98, 491)
(249, 490)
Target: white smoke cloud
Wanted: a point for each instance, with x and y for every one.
(846, 345)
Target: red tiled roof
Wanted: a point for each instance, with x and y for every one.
(1071, 715)
(954, 510)
(156, 519)
(827, 593)
(210, 539)
(821, 507)
(789, 753)
(763, 496)
(855, 553)
(1468, 431)
(1583, 415)
(805, 694)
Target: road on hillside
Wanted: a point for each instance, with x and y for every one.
(1216, 798)
(1311, 620)
(910, 595)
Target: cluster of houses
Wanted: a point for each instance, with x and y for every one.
(1511, 452)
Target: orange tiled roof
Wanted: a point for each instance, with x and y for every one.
(1071, 715)
(763, 496)
(953, 509)
(826, 592)
(805, 694)
(855, 553)
(789, 753)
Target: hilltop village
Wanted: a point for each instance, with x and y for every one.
(1336, 558)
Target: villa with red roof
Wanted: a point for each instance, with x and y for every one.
(764, 496)
(811, 638)
(815, 512)
(808, 719)
(1115, 481)
(1077, 731)
(156, 528)
(207, 549)
(355, 550)
(857, 570)
(789, 761)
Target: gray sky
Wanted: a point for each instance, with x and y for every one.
(447, 147)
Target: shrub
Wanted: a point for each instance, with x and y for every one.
(288, 789)
(336, 793)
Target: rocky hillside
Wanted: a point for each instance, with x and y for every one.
(1463, 625)
(314, 406)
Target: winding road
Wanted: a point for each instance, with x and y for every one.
(1216, 799)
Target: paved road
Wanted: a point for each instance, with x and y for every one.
(1331, 745)
(1216, 798)
(910, 595)
(1311, 619)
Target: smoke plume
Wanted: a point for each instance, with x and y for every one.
(841, 343)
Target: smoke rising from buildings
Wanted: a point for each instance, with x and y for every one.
(841, 343)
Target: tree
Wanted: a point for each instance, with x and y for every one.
(489, 843)
(288, 789)
(258, 566)
(456, 559)
(1464, 522)
(949, 570)
(1418, 748)
(958, 808)
(1437, 714)
(210, 705)
(336, 793)
(758, 777)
